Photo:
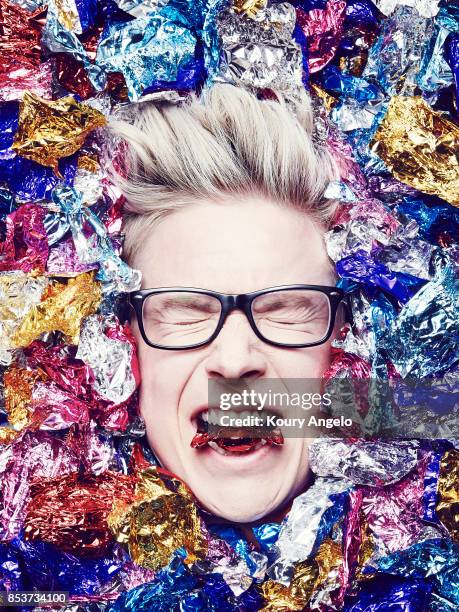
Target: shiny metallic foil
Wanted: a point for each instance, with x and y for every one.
(49, 131)
(71, 511)
(162, 518)
(249, 7)
(260, 52)
(19, 383)
(62, 308)
(420, 147)
(448, 493)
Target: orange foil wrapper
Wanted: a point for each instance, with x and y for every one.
(420, 147)
(71, 511)
(448, 493)
(62, 308)
(51, 130)
(19, 383)
(162, 518)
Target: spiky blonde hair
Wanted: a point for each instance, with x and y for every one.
(224, 144)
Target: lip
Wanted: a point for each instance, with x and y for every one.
(237, 462)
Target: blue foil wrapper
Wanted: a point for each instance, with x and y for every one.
(435, 562)
(452, 57)
(362, 268)
(164, 593)
(433, 216)
(87, 11)
(430, 487)
(386, 593)
(45, 568)
(360, 12)
(424, 338)
(148, 50)
(169, 48)
(116, 275)
(267, 535)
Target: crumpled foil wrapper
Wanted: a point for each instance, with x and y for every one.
(63, 307)
(49, 130)
(426, 8)
(303, 525)
(162, 518)
(363, 462)
(447, 507)
(323, 29)
(71, 511)
(425, 333)
(260, 51)
(32, 455)
(419, 146)
(19, 293)
(112, 361)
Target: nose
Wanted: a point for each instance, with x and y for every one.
(235, 352)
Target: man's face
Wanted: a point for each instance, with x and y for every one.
(230, 248)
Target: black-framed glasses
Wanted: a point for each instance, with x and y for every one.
(291, 316)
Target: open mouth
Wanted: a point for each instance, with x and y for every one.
(233, 440)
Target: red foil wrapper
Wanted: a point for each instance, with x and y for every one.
(71, 511)
(26, 245)
(72, 75)
(20, 34)
(32, 456)
(323, 28)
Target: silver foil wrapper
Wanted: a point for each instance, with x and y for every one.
(364, 462)
(299, 533)
(259, 52)
(109, 359)
(425, 8)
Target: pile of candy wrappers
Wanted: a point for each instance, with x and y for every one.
(83, 506)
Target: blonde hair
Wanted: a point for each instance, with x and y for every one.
(225, 143)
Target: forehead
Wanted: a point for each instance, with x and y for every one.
(235, 247)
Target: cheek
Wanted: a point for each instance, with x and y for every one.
(303, 363)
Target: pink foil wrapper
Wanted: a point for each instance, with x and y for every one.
(25, 78)
(25, 246)
(395, 513)
(323, 27)
(54, 408)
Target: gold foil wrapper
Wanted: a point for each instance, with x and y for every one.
(162, 518)
(420, 147)
(89, 163)
(307, 577)
(8, 435)
(448, 493)
(62, 308)
(249, 7)
(327, 99)
(19, 293)
(50, 130)
(279, 598)
(19, 383)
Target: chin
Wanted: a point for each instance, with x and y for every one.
(248, 486)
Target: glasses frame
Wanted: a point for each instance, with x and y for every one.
(240, 301)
